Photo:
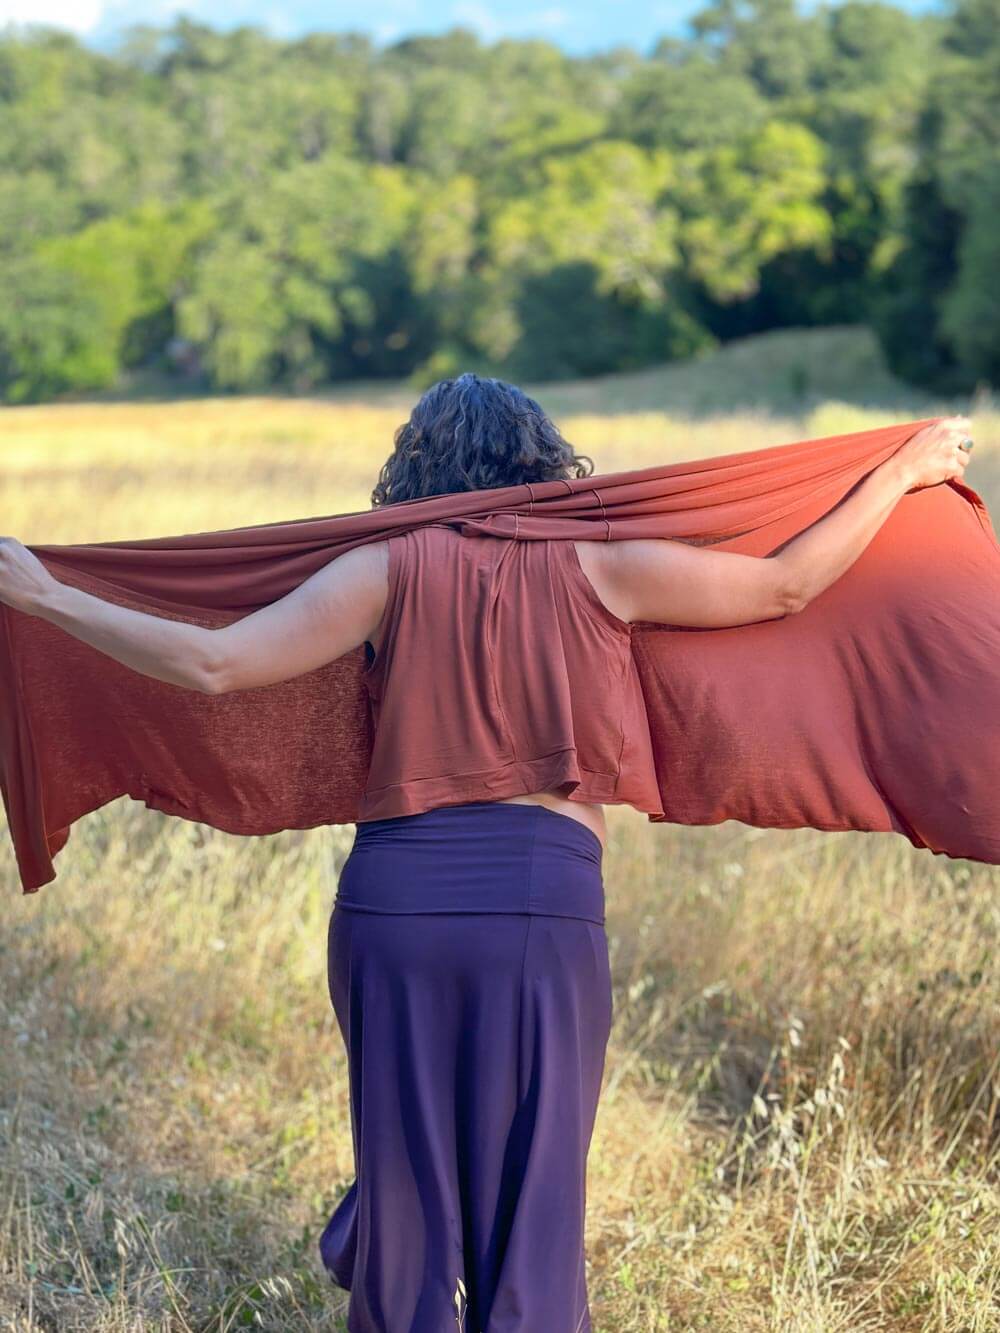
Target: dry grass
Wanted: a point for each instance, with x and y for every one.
(800, 1126)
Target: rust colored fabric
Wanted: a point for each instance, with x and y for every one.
(492, 655)
(876, 708)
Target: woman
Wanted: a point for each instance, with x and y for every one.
(476, 1029)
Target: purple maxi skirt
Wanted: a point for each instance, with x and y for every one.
(468, 970)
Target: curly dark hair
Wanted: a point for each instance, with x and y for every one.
(471, 433)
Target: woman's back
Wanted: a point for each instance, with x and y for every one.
(499, 672)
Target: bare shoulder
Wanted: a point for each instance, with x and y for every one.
(602, 565)
(366, 568)
(367, 564)
(675, 582)
(627, 575)
(357, 582)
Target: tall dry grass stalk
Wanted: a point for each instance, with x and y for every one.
(800, 1126)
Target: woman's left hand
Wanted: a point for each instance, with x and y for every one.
(25, 583)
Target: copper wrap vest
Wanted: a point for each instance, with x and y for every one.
(492, 652)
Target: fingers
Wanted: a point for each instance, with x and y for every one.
(949, 433)
(947, 429)
(961, 456)
(955, 430)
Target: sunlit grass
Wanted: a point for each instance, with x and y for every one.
(800, 1124)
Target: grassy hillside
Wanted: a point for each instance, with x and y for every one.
(800, 1128)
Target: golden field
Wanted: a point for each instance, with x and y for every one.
(800, 1126)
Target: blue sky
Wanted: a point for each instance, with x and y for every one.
(578, 27)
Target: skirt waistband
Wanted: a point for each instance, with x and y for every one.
(480, 856)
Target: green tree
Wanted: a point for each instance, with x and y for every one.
(945, 271)
(298, 282)
(80, 307)
(744, 203)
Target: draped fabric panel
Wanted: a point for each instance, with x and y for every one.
(876, 708)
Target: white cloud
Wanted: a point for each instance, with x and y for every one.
(550, 19)
(77, 15)
(101, 21)
(386, 32)
(670, 12)
(279, 22)
(490, 25)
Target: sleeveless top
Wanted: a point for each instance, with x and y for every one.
(500, 672)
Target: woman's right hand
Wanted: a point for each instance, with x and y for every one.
(933, 454)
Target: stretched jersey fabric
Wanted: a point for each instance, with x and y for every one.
(876, 708)
(491, 656)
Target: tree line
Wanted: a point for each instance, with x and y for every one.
(249, 212)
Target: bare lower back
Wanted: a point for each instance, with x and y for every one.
(587, 812)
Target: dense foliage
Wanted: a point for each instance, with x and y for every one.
(249, 212)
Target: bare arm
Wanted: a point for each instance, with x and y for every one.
(331, 612)
(678, 584)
